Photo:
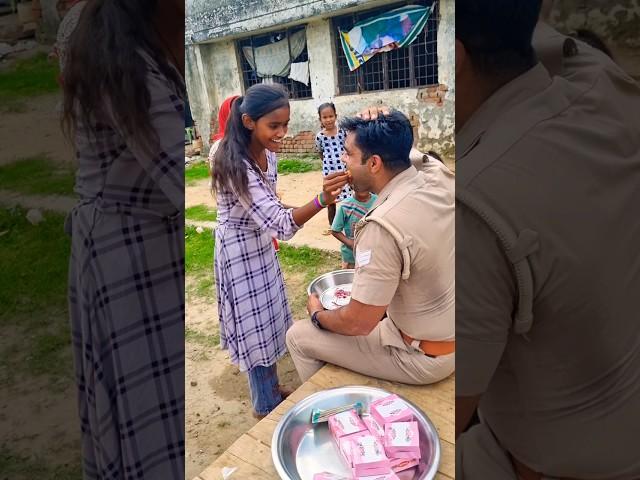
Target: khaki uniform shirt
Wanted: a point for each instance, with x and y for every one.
(422, 305)
(563, 399)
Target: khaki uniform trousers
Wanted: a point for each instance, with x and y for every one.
(311, 348)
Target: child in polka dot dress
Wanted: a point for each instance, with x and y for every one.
(330, 144)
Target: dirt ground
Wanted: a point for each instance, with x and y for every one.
(218, 406)
(50, 427)
(40, 120)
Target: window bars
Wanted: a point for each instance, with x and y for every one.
(296, 90)
(413, 66)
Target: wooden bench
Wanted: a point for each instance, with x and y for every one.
(251, 453)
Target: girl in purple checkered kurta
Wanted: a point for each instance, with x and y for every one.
(252, 302)
(126, 270)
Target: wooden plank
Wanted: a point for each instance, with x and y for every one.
(442, 476)
(245, 470)
(254, 453)
(263, 430)
(447, 459)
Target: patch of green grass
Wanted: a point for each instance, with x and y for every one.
(33, 295)
(28, 78)
(34, 261)
(38, 175)
(287, 165)
(204, 286)
(47, 347)
(196, 172)
(20, 467)
(198, 251)
(311, 261)
(200, 338)
(201, 213)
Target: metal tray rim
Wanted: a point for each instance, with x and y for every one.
(328, 274)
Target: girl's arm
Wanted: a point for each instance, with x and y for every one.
(271, 216)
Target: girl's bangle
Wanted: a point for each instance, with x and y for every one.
(321, 200)
(317, 203)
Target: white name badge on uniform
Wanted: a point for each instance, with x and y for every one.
(363, 258)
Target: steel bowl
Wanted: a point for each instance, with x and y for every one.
(322, 284)
(299, 449)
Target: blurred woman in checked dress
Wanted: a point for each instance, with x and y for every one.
(124, 109)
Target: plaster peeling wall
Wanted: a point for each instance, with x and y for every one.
(209, 20)
(617, 23)
(199, 98)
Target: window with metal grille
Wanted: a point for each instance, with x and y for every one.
(296, 89)
(415, 65)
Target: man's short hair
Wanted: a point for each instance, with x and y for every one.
(389, 136)
(497, 34)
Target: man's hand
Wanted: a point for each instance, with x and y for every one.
(314, 304)
(372, 113)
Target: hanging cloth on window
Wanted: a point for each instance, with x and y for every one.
(391, 30)
(275, 58)
(300, 72)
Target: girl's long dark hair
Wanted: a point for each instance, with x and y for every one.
(230, 171)
(105, 74)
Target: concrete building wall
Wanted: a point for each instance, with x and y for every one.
(50, 19)
(431, 110)
(208, 20)
(617, 23)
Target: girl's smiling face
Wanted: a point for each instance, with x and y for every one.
(269, 130)
(328, 118)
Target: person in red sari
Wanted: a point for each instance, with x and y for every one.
(223, 116)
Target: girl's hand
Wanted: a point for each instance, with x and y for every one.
(332, 186)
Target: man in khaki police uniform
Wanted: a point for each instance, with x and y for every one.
(547, 328)
(404, 251)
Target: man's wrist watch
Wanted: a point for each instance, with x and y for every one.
(314, 320)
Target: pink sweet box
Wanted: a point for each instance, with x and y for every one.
(374, 427)
(345, 423)
(401, 464)
(402, 440)
(344, 445)
(390, 409)
(368, 456)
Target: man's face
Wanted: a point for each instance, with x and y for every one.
(361, 179)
